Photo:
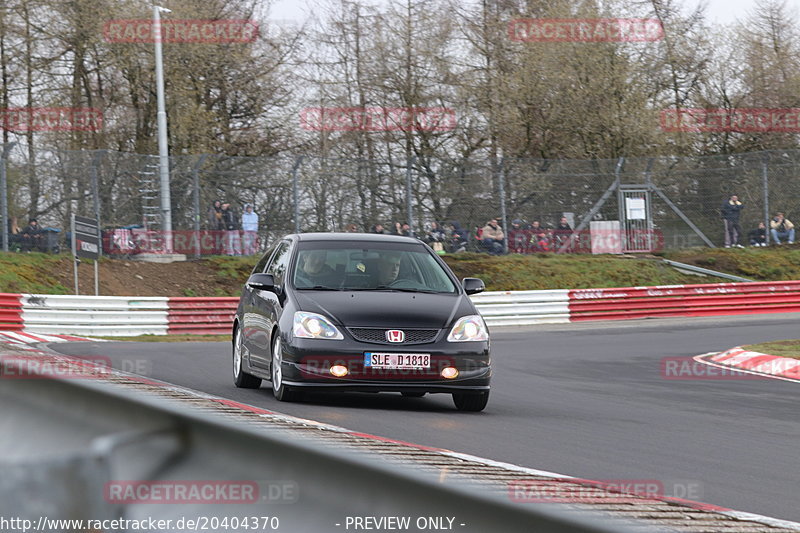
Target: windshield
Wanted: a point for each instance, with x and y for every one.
(369, 266)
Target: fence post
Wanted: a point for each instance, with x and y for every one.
(196, 202)
(98, 155)
(765, 180)
(4, 192)
(409, 199)
(296, 192)
(501, 183)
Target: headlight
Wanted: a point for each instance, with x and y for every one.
(314, 326)
(469, 328)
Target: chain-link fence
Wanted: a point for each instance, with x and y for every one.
(676, 198)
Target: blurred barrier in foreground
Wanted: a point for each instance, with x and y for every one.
(130, 316)
(92, 447)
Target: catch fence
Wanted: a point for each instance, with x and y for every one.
(658, 202)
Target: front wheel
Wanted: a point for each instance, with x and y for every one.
(242, 379)
(281, 391)
(471, 401)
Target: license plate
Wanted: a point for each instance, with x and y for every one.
(397, 360)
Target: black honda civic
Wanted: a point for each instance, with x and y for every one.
(360, 312)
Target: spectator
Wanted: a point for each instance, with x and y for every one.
(250, 229)
(378, 228)
(215, 222)
(781, 228)
(436, 237)
(402, 229)
(232, 241)
(561, 233)
(516, 236)
(32, 236)
(539, 240)
(351, 228)
(731, 210)
(458, 238)
(758, 236)
(492, 237)
(313, 270)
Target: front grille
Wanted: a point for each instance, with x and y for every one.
(378, 335)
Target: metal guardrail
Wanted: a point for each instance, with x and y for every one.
(684, 300)
(66, 441)
(706, 271)
(129, 316)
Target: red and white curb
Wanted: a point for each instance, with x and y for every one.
(785, 368)
(19, 338)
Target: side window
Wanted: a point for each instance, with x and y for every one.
(259, 268)
(279, 263)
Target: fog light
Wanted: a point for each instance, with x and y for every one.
(449, 372)
(339, 371)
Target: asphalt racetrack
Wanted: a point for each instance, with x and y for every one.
(588, 400)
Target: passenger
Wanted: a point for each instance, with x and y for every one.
(312, 270)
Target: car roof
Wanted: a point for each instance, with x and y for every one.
(350, 237)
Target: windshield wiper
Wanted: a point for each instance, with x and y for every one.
(403, 289)
(318, 288)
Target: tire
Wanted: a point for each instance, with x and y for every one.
(241, 379)
(282, 392)
(471, 402)
(413, 394)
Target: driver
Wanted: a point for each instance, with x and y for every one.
(388, 268)
(312, 269)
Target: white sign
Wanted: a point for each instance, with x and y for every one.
(635, 208)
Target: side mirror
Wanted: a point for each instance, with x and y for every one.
(473, 285)
(261, 282)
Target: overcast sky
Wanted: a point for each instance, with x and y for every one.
(720, 11)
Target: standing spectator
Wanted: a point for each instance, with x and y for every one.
(232, 241)
(250, 230)
(351, 228)
(378, 228)
(458, 238)
(32, 236)
(561, 233)
(758, 236)
(539, 240)
(731, 210)
(215, 222)
(781, 228)
(492, 237)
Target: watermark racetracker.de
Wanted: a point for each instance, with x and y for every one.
(181, 31)
(200, 491)
(692, 369)
(575, 490)
(41, 119)
(378, 119)
(745, 120)
(597, 30)
(32, 366)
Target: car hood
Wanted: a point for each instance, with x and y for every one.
(386, 309)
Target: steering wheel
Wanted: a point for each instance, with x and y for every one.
(403, 283)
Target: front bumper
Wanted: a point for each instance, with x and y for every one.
(307, 363)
